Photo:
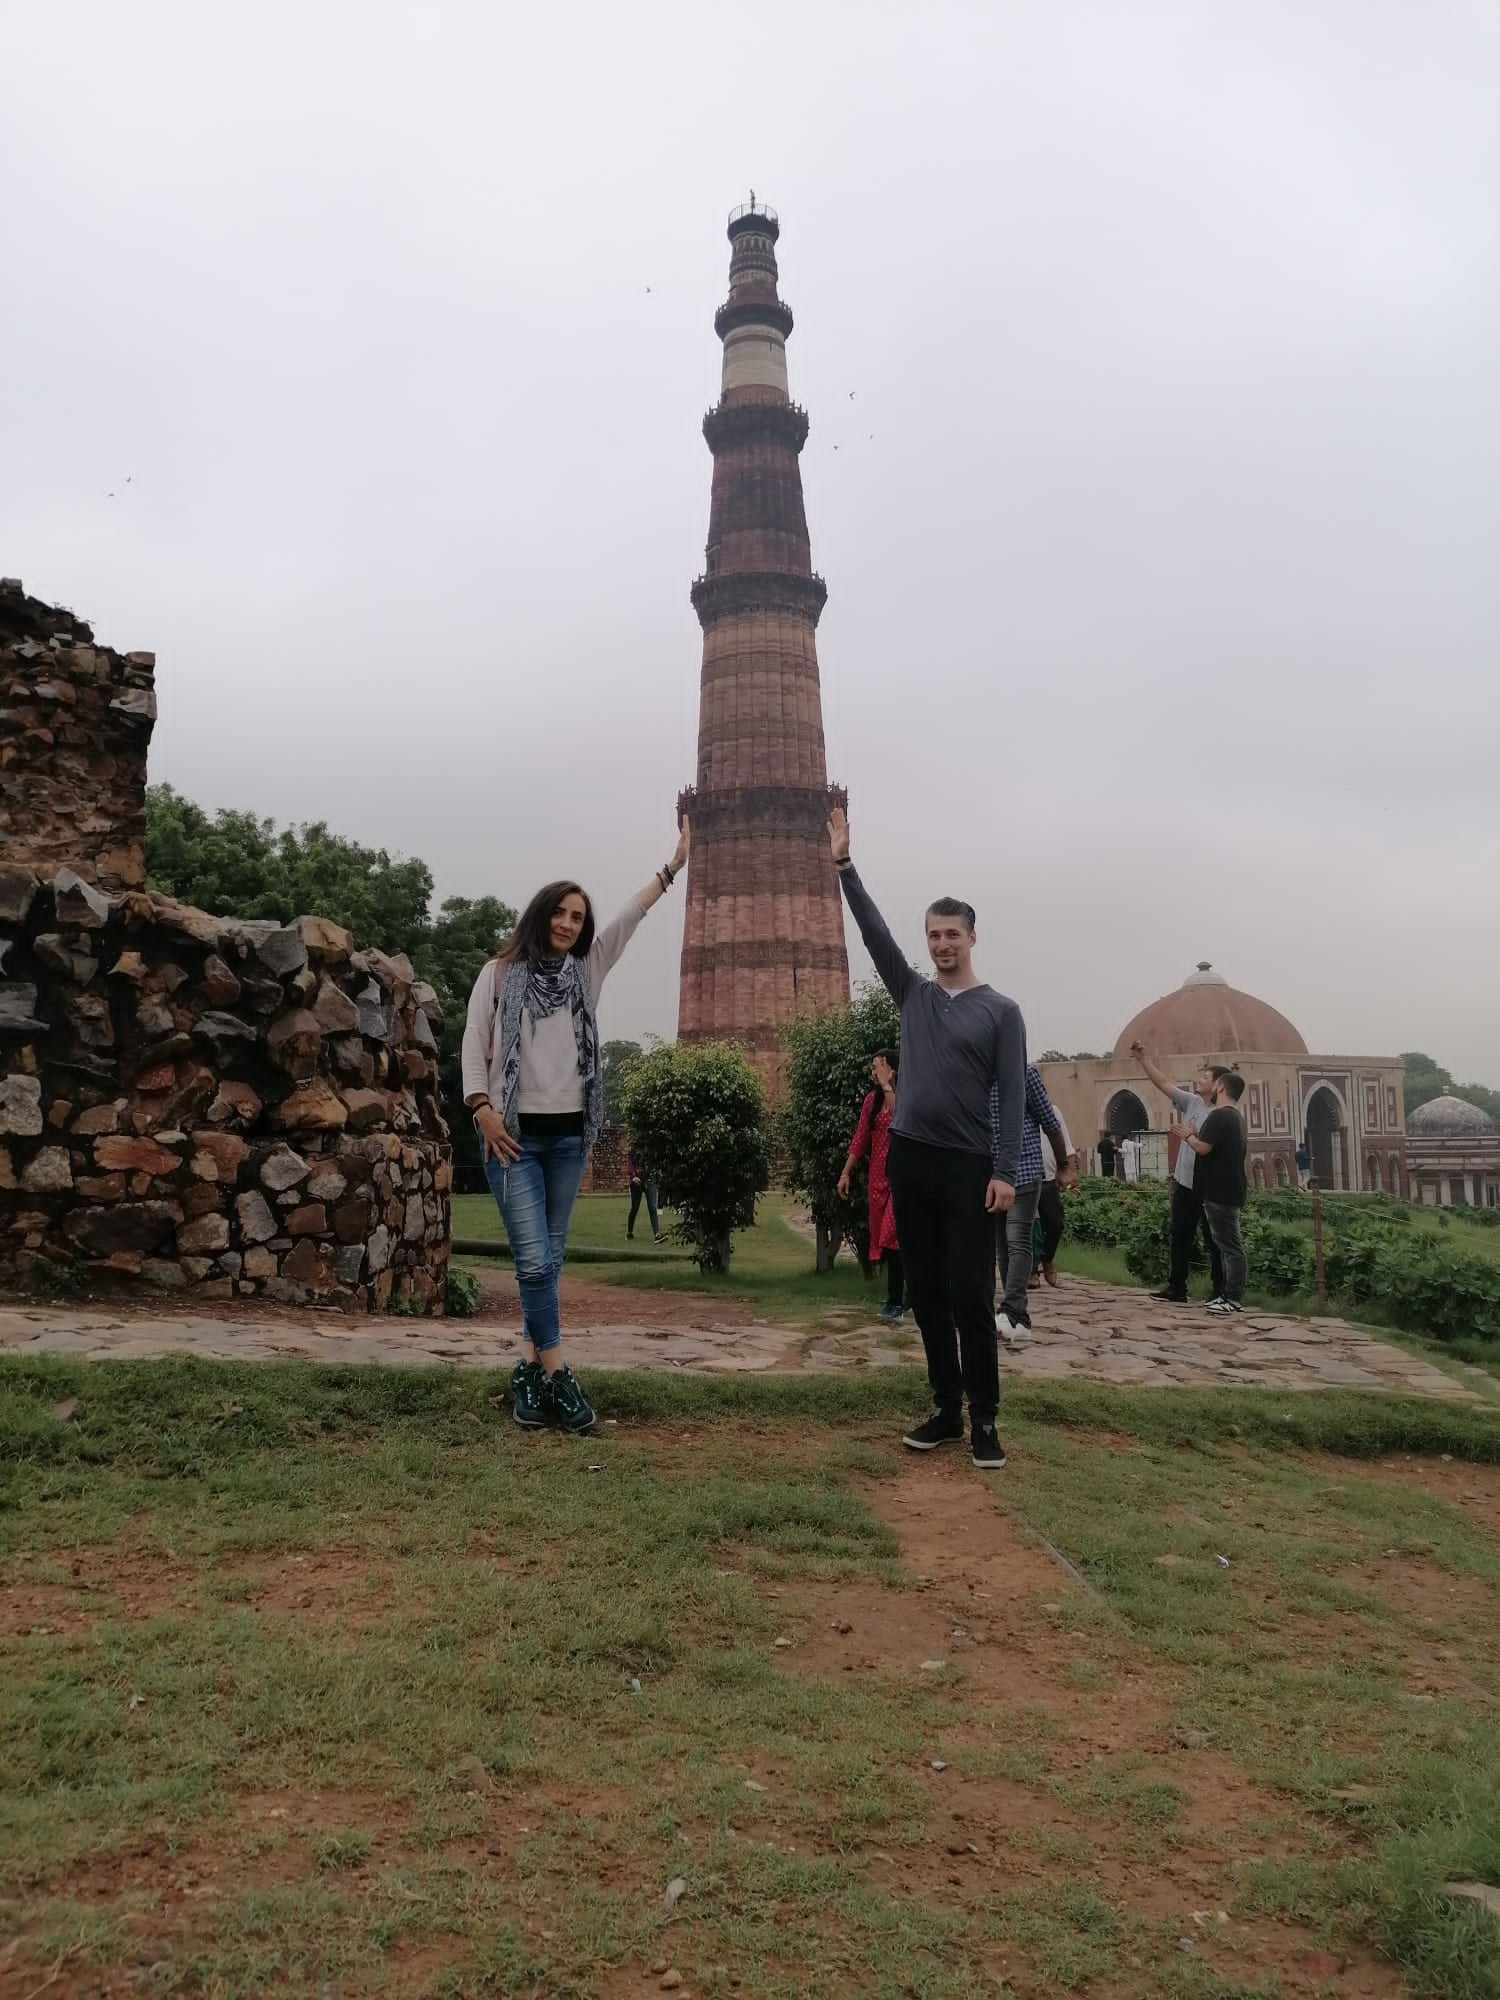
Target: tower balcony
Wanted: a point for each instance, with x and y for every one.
(756, 215)
(755, 423)
(721, 595)
(735, 313)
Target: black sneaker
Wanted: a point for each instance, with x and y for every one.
(1223, 1308)
(940, 1428)
(528, 1396)
(986, 1449)
(1170, 1298)
(569, 1404)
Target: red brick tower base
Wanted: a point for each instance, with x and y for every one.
(764, 937)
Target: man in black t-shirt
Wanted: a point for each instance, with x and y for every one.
(1219, 1183)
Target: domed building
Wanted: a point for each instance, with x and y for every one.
(1453, 1154)
(1347, 1109)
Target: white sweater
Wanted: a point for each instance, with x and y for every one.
(550, 1083)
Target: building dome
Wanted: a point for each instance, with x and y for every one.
(1207, 1016)
(1448, 1117)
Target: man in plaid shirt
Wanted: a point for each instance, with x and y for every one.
(1013, 1230)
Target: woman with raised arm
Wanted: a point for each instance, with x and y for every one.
(872, 1136)
(532, 1080)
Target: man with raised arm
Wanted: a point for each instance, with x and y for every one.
(951, 1172)
(1191, 1107)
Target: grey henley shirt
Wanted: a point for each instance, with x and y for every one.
(955, 1048)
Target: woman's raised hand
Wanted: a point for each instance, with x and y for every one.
(838, 834)
(680, 852)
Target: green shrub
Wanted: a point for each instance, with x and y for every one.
(1375, 1263)
(461, 1295)
(1280, 1254)
(697, 1126)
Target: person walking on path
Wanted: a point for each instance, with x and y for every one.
(1107, 1155)
(531, 1077)
(1219, 1148)
(1190, 1107)
(952, 1164)
(1049, 1206)
(1013, 1232)
(872, 1136)
(641, 1188)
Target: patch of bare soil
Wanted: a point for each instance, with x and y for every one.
(584, 1302)
(104, 1584)
(162, 1892)
(1472, 1489)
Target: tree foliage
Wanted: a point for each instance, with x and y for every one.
(697, 1128)
(237, 865)
(233, 864)
(615, 1061)
(1426, 1078)
(827, 1078)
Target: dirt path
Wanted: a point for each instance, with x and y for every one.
(1004, 1619)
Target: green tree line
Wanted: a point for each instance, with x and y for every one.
(233, 864)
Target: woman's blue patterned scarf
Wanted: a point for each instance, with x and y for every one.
(540, 990)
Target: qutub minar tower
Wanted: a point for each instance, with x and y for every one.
(764, 934)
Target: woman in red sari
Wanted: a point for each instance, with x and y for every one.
(873, 1136)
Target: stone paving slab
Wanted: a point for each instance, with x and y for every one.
(1094, 1332)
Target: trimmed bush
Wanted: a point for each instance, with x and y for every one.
(1375, 1261)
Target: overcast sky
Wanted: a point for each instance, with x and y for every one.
(1161, 539)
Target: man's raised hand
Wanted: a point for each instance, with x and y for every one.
(838, 835)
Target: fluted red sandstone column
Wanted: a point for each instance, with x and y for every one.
(764, 937)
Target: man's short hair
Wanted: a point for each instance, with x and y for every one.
(1233, 1084)
(951, 906)
(1216, 1070)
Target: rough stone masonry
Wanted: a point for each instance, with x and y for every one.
(75, 723)
(210, 1106)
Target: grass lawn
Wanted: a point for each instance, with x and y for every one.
(325, 1681)
(1454, 1226)
(772, 1270)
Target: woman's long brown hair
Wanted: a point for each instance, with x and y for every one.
(532, 937)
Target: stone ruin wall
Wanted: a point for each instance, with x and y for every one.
(75, 723)
(216, 1108)
(225, 1109)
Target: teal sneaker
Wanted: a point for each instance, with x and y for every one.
(568, 1403)
(528, 1395)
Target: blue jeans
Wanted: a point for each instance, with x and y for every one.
(535, 1195)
